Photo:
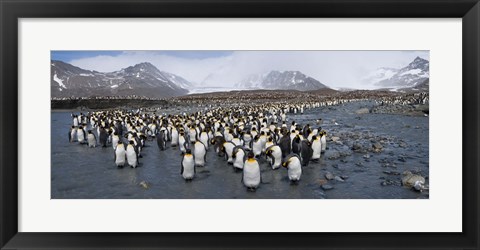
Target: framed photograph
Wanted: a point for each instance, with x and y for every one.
(206, 124)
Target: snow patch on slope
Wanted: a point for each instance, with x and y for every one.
(59, 81)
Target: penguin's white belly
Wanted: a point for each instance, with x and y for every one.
(91, 140)
(236, 141)
(204, 139)
(239, 159)
(263, 142)
(257, 148)
(80, 136)
(199, 153)
(324, 143)
(247, 142)
(115, 140)
(181, 143)
(317, 150)
(251, 175)
(174, 138)
(294, 171)
(229, 151)
(192, 135)
(120, 156)
(277, 155)
(72, 135)
(131, 157)
(188, 168)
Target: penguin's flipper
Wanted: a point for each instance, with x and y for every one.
(181, 170)
(273, 160)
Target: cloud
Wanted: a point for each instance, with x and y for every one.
(333, 68)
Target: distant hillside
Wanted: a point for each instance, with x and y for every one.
(291, 80)
(410, 76)
(142, 79)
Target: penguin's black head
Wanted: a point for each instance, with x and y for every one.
(314, 138)
(188, 151)
(250, 155)
(130, 142)
(89, 131)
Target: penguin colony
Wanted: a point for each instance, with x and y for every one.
(239, 137)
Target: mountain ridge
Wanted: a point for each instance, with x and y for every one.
(284, 80)
(415, 73)
(142, 79)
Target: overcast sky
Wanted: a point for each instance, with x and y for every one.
(224, 68)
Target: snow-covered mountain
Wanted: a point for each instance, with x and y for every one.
(415, 73)
(274, 79)
(142, 79)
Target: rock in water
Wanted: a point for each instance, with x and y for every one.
(338, 178)
(322, 182)
(362, 111)
(356, 147)
(329, 176)
(326, 187)
(377, 146)
(409, 179)
(335, 138)
(144, 184)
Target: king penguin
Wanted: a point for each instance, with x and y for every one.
(228, 150)
(91, 140)
(115, 139)
(120, 154)
(72, 133)
(323, 140)
(81, 135)
(294, 167)
(239, 157)
(103, 136)
(174, 132)
(256, 146)
(161, 142)
(251, 176)
(306, 152)
(200, 153)
(274, 155)
(188, 166)
(316, 147)
(132, 155)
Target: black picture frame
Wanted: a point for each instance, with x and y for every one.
(11, 11)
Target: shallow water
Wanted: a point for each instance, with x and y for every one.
(90, 173)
